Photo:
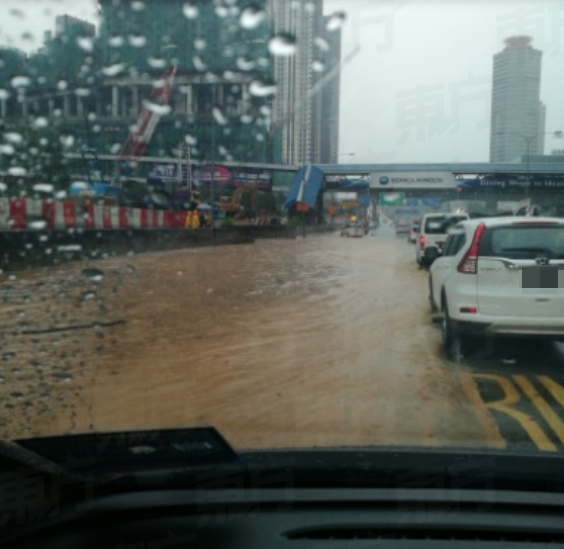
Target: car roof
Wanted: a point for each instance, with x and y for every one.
(510, 220)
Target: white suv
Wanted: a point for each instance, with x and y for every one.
(500, 276)
(432, 236)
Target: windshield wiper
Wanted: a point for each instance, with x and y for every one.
(112, 456)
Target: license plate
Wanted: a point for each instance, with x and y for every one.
(539, 277)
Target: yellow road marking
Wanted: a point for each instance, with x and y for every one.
(490, 427)
(555, 389)
(531, 427)
(542, 405)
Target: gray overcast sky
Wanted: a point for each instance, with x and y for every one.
(419, 89)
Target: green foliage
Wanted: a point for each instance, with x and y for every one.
(295, 221)
(227, 222)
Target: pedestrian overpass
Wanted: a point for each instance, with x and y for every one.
(483, 181)
(475, 179)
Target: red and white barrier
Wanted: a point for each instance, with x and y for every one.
(25, 213)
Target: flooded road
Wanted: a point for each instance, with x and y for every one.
(322, 341)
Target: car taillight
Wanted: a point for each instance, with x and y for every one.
(422, 241)
(469, 263)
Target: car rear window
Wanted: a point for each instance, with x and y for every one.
(441, 224)
(514, 242)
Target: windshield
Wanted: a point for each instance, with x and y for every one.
(201, 214)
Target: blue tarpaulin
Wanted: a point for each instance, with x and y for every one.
(306, 187)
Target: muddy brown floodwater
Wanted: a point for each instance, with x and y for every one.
(323, 341)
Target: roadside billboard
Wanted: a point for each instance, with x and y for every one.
(510, 181)
(412, 180)
(205, 176)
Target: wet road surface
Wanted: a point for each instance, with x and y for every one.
(323, 341)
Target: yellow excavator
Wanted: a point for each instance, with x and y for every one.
(234, 207)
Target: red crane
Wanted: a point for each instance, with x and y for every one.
(138, 139)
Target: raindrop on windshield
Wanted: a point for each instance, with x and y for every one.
(4, 94)
(17, 170)
(190, 139)
(13, 137)
(63, 376)
(3, 188)
(137, 40)
(17, 13)
(190, 11)
(283, 45)
(116, 41)
(156, 62)
(20, 81)
(198, 63)
(321, 43)
(137, 5)
(60, 195)
(246, 118)
(336, 21)
(7, 149)
(67, 140)
(200, 43)
(261, 89)
(38, 224)
(252, 17)
(86, 43)
(40, 122)
(245, 64)
(318, 66)
(219, 116)
(113, 70)
(221, 11)
(43, 188)
(156, 108)
(62, 85)
(95, 275)
(82, 92)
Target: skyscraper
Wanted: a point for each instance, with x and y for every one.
(302, 111)
(330, 98)
(517, 116)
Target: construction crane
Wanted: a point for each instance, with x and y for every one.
(141, 132)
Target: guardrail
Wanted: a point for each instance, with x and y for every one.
(28, 213)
